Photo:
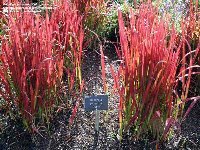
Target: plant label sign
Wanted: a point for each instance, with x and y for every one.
(96, 102)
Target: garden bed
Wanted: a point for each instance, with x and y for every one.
(50, 60)
(81, 135)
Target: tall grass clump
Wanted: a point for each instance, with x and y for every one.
(40, 55)
(151, 68)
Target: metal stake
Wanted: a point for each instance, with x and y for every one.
(97, 119)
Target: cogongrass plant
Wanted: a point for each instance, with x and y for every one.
(37, 51)
(153, 63)
(192, 35)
